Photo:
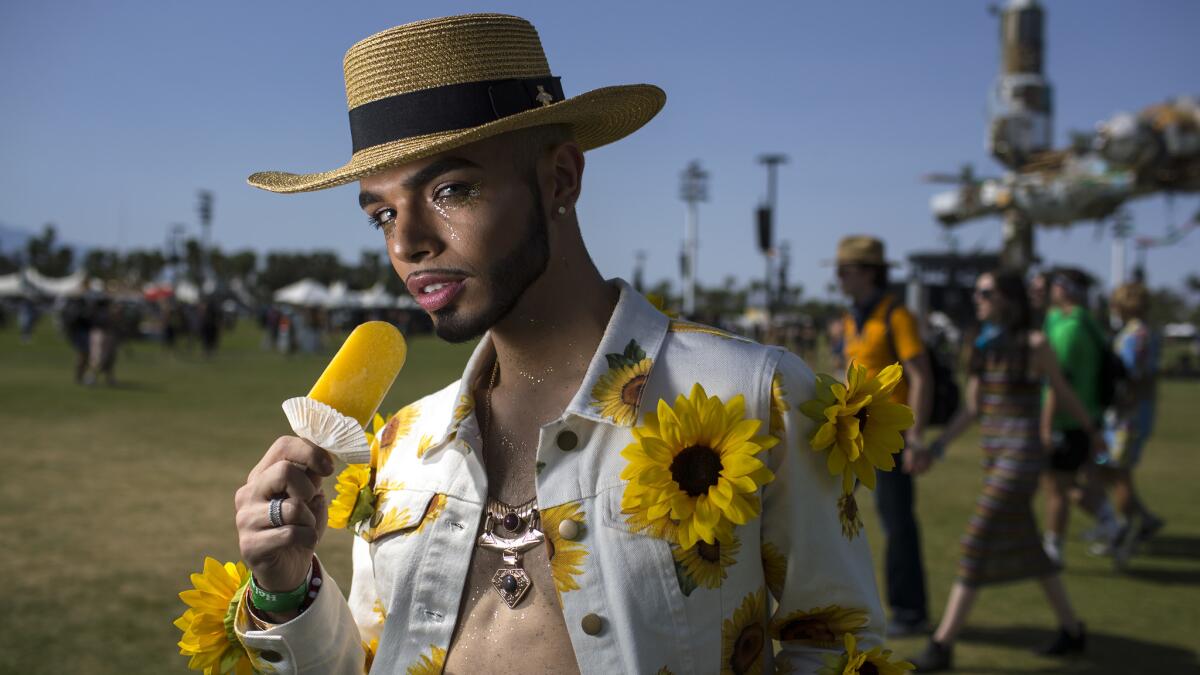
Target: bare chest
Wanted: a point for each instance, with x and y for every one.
(490, 636)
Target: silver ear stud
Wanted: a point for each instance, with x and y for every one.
(562, 210)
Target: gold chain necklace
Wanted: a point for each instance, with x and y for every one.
(487, 399)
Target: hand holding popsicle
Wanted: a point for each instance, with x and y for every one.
(330, 418)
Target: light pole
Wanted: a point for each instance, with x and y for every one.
(693, 189)
(204, 210)
(766, 217)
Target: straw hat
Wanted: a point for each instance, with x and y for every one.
(861, 250)
(426, 87)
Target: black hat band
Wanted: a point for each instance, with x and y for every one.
(448, 108)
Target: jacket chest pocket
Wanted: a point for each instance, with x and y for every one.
(402, 519)
(639, 573)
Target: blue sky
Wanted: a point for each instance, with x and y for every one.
(115, 113)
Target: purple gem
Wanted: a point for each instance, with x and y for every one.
(511, 522)
(509, 583)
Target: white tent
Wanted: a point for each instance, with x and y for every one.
(58, 287)
(11, 285)
(186, 291)
(376, 297)
(339, 295)
(307, 292)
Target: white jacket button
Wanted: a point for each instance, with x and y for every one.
(591, 624)
(569, 529)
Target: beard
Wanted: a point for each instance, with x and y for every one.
(508, 277)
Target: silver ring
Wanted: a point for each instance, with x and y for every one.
(275, 512)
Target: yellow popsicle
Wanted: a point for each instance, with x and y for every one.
(360, 374)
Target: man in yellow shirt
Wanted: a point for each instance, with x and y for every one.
(879, 331)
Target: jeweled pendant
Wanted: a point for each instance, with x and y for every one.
(512, 584)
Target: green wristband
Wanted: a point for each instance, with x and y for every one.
(278, 602)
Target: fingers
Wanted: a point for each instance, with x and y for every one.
(284, 478)
(293, 512)
(298, 451)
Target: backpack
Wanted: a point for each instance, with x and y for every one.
(1114, 377)
(946, 395)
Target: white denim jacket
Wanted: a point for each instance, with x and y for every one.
(792, 573)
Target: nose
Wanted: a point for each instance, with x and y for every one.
(412, 238)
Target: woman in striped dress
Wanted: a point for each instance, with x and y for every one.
(1008, 365)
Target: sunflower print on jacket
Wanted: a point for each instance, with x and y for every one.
(744, 637)
(618, 392)
(429, 664)
(774, 564)
(398, 426)
(819, 626)
(704, 564)
(566, 556)
(693, 469)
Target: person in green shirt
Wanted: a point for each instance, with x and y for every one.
(1077, 341)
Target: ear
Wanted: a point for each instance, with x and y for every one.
(562, 179)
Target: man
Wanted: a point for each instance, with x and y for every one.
(1131, 421)
(576, 502)
(878, 331)
(1078, 342)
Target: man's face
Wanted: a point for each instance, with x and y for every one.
(855, 280)
(465, 230)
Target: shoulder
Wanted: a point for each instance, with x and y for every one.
(696, 352)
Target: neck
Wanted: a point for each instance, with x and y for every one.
(549, 337)
(866, 297)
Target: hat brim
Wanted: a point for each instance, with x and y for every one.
(598, 117)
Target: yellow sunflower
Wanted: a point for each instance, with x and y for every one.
(693, 472)
(466, 404)
(566, 555)
(660, 303)
(398, 426)
(853, 662)
(355, 500)
(744, 637)
(819, 626)
(779, 406)
(848, 515)
(618, 392)
(431, 664)
(774, 568)
(437, 504)
(423, 445)
(207, 624)
(858, 423)
(379, 610)
(370, 648)
(705, 564)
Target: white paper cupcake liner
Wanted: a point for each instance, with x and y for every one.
(327, 428)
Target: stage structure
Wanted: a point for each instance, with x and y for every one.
(1156, 151)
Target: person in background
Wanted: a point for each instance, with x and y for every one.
(1039, 296)
(1130, 421)
(77, 323)
(1007, 366)
(1078, 342)
(879, 331)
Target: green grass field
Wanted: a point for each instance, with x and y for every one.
(111, 496)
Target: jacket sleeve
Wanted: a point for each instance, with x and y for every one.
(331, 637)
(828, 582)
